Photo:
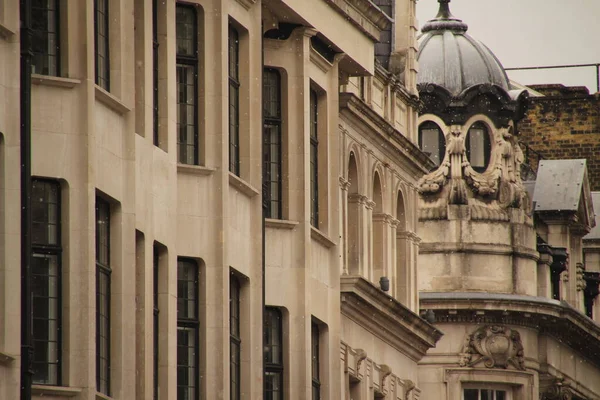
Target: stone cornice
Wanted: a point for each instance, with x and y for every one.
(363, 14)
(478, 248)
(419, 163)
(386, 318)
(550, 317)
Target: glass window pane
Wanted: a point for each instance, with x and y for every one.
(471, 394)
(477, 147)
(430, 144)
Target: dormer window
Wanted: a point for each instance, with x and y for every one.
(478, 146)
(432, 141)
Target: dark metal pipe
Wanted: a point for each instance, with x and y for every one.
(25, 146)
(265, 207)
(597, 65)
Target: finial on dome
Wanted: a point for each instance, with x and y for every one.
(444, 20)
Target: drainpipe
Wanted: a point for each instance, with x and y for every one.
(25, 146)
(265, 204)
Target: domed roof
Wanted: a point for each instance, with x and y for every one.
(452, 59)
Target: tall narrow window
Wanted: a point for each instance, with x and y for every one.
(188, 385)
(235, 340)
(46, 270)
(155, 72)
(273, 354)
(432, 142)
(103, 273)
(234, 101)
(155, 311)
(45, 39)
(272, 142)
(478, 147)
(101, 44)
(315, 357)
(187, 84)
(314, 160)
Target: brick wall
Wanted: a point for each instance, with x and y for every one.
(563, 124)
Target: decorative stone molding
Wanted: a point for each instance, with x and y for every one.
(352, 360)
(494, 345)
(433, 213)
(482, 213)
(344, 184)
(579, 270)
(409, 235)
(386, 371)
(357, 198)
(383, 217)
(370, 204)
(247, 3)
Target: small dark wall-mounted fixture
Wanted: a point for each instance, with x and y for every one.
(384, 283)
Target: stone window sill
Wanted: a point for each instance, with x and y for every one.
(321, 237)
(6, 31)
(54, 391)
(102, 396)
(111, 101)
(56, 81)
(195, 169)
(242, 185)
(6, 359)
(280, 224)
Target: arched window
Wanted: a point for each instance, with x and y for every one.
(478, 146)
(432, 141)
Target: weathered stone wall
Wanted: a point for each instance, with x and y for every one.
(564, 124)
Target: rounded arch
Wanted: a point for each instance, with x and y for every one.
(400, 211)
(353, 175)
(377, 192)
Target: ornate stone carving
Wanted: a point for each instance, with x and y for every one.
(433, 182)
(496, 346)
(501, 181)
(344, 184)
(557, 391)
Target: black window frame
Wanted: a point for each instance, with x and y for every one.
(185, 61)
(102, 20)
(41, 38)
(103, 270)
(235, 339)
(477, 393)
(47, 248)
(427, 125)
(155, 44)
(273, 353)
(233, 70)
(186, 324)
(487, 145)
(272, 144)
(315, 355)
(314, 157)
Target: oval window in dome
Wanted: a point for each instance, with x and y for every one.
(478, 146)
(432, 141)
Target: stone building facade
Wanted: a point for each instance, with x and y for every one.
(163, 133)
(501, 268)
